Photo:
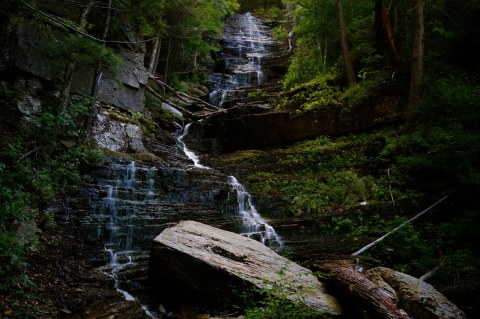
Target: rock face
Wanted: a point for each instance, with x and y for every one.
(196, 260)
(229, 132)
(27, 57)
(116, 135)
(415, 296)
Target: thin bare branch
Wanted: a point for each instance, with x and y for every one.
(50, 17)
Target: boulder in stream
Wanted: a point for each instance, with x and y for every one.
(198, 262)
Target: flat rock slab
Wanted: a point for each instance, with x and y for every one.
(196, 261)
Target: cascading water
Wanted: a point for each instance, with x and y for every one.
(180, 135)
(129, 204)
(116, 218)
(253, 225)
(246, 42)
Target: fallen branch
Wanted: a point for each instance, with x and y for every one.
(165, 100)
(390, 186)
(405, 223)
(34, 150)
(183, 96)
(429, 274)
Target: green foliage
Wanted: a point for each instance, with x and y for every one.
(43, 161)
(76, 48)
(444, 149)
(319, 93)
(196, 29)
(366, 89)
(325, 173)
(274, 303)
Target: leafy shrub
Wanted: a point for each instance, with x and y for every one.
(44, 160)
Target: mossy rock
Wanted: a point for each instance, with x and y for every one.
(145, 157)
(119, 155)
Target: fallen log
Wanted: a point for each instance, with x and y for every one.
(165, 100)
(357, 288)
(418, 298)
(183, 96)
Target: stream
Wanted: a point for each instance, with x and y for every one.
(128, 203)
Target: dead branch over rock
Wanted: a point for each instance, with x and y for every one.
(183, 97)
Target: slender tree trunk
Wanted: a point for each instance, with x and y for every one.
(391, 35)
(152, 66)
(379, 30)
(68, 76)
(168, 58)
(343, 43)
(416, 73)
(325, 56)
(195, 60)
(98, 69)
(97, 75)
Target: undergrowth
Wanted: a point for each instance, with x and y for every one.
(47, 158)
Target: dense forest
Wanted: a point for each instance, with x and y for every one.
(355, 183)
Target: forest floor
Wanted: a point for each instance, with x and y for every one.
(59, 282)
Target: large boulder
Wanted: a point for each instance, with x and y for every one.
(418, 298)
(199, 262)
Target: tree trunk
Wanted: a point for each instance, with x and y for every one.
(343, 43)
(379, 29)
(384, 27)
(98, 69)
(152, 66)
(391, 36)
(325, 56)
(416, 73)
(168, 59)
(97, 75)
(71, 64)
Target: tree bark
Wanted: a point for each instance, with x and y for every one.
(343, 43)
(416, 73)
(68, 76)
(361, 290)
(388, 27)
(152, 66)
(97, 75)
(168, 59)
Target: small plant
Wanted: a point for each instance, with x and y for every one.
(274, 301)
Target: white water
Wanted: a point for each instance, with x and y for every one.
(245, 39)
(253, 225)
(191, 155)
(119, 246)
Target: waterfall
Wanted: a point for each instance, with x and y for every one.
(191, 155)
(126, 196)
(253, 225)
(246, 42)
